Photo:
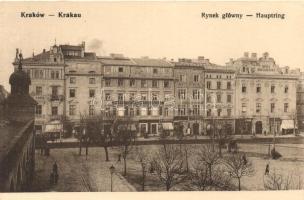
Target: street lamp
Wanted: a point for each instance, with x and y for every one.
(112, 171)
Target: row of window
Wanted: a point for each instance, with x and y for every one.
(141, 111)
(126, 111)
(41, 74)
(39, 91)
(132, 83)
(259, 89)
(218, 76)
(182, 111)
(54, 110)
(259, 107)
(219, 98)
(218, 85)
(91, 80)
(121, 69)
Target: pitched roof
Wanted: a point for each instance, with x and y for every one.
(214, 67)
(70, 47)
(152, 62)
(116, 61)
(42, 57)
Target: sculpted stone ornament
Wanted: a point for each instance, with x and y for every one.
(20, 106)
(20, 80)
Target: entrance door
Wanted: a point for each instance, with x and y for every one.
(154, 129)
(195, 129)
(258, 127)
(143, 128)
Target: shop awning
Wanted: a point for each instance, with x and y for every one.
(167, 126)
(54, 126)
(287, 124)
(133, 127)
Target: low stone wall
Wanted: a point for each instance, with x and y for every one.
(18, 165)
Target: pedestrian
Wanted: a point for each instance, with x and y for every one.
(55, 168)
(52, 178)
(267, 169)
(244, 159)
(119, 157)
(56, 176)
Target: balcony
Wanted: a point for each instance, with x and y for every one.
(56, 97)
(56, 117)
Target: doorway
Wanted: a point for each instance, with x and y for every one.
(258, 127)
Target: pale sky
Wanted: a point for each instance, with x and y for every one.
(155, 29)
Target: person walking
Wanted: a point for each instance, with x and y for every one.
(267, 169)
(52, 178)
(244, 159)
(55, 168)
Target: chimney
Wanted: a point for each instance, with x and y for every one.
(17, 54)
(201, 58)
(246, 54)
(254, 55)
(83, 45)
(265, 55)
(43, 50)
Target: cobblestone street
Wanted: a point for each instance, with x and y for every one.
(76, 174)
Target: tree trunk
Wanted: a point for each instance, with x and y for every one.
(143, 179)
(87, 151)
(107, 153)
(220, 149)
(210, 173)
(125, 165)
(167, 186)
(187, 164)
(239, 180)
(80, 147)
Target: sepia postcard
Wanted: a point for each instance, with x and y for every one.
(191, 98)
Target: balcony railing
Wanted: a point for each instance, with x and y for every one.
(56, 97)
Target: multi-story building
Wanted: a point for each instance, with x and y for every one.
(265, 95)
(300, 102)
(220, 98)
(248, 95)
(189, 94)
(138, 89)
(46, 71)
(83, 75)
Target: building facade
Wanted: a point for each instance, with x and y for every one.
(46, 71)
(249, 95)
(265, 95)
(220, 98)
(300, 102)
(138, 90)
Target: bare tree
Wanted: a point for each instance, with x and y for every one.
(125, 139)
(237, 167)
(168, 165)
(200, 178)
(277, 181)
(221, 137)
(187, 150)
(143, 158)
(209, 158)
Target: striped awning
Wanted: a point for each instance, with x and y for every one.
(287, 124)
(167, 126)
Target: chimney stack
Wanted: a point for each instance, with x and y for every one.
(253, 55)
(246, 54)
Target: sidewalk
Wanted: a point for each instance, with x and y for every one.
(76, 174)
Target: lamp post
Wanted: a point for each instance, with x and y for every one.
(219, 129)
(112, 171)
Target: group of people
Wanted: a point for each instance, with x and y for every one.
(54, 174)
